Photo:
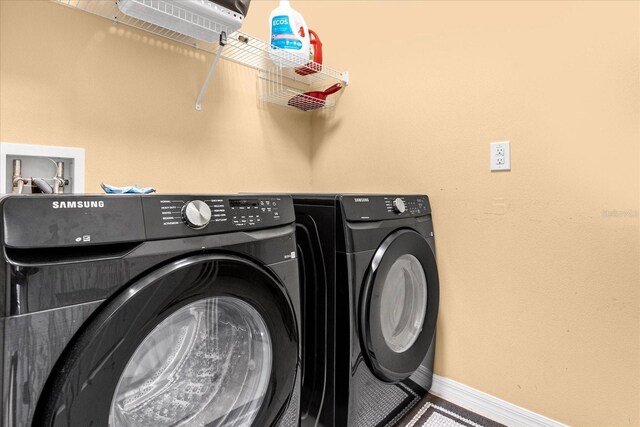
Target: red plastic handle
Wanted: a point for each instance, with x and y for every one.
(333, 89)
(317, 47)
(315, 65)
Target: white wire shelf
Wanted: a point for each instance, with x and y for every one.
(241, 48)
(109, 9)
(247, 50)
(275, 92)
(293, 99)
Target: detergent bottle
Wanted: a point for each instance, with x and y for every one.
(289, 35)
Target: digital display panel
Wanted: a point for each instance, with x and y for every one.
(234, 203)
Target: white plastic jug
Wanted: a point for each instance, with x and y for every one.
(289, 35)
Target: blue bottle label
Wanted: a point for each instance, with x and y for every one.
(282, 35)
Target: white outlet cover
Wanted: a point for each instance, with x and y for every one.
(500, 156)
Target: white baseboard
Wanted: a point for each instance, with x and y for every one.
(484, 404)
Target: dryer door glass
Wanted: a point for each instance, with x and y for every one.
(208, 363)
(399, 306)
(403, 303)
(191, 343)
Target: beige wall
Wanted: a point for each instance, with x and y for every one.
(539, 290)
(539, 287)
(69, 78)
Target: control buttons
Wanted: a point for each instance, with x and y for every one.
(398, 205)
(196, 214)
(246, 220)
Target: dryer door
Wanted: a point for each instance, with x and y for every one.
(208, 340)
(399, 306)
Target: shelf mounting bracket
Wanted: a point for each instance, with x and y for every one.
(222, 44)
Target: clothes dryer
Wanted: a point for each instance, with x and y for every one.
(370, 297)
(171, 310)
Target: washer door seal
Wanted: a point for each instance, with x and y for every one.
(214, 289)
(399, 306)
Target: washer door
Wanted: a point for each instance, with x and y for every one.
(399, 306)
(191, 344)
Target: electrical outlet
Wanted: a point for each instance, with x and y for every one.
(500, 155)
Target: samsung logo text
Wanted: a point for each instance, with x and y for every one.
(361, 200)
(78, 204)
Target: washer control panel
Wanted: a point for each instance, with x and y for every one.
(184, 216)
(383, 207)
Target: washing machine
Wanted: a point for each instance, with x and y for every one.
(370, 296)
(171, 310)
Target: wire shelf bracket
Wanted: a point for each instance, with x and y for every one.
(222, 44)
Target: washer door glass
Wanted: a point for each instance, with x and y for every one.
(208, 363)
(403, 303)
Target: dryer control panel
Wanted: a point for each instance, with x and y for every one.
(186, 216)
(383, 207)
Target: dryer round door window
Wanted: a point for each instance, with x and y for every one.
(403, 303)
(205, 361)
(399, 306)
(191, 343)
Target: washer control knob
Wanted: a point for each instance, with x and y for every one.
(196, 214)
(398, 206)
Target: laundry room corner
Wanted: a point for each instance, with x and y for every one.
(538, 277)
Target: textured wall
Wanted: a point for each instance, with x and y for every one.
(539, 266)
(539, 278)
(69, 78)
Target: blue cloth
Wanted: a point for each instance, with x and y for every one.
(131, 189)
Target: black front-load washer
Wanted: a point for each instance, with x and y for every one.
(169, 310)
(370, 296)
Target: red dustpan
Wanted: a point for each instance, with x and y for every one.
(313, 100)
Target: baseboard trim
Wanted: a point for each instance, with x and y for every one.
(484, 404)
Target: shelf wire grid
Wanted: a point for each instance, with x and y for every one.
(272, 90)
(241, 48)
(247, 50)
